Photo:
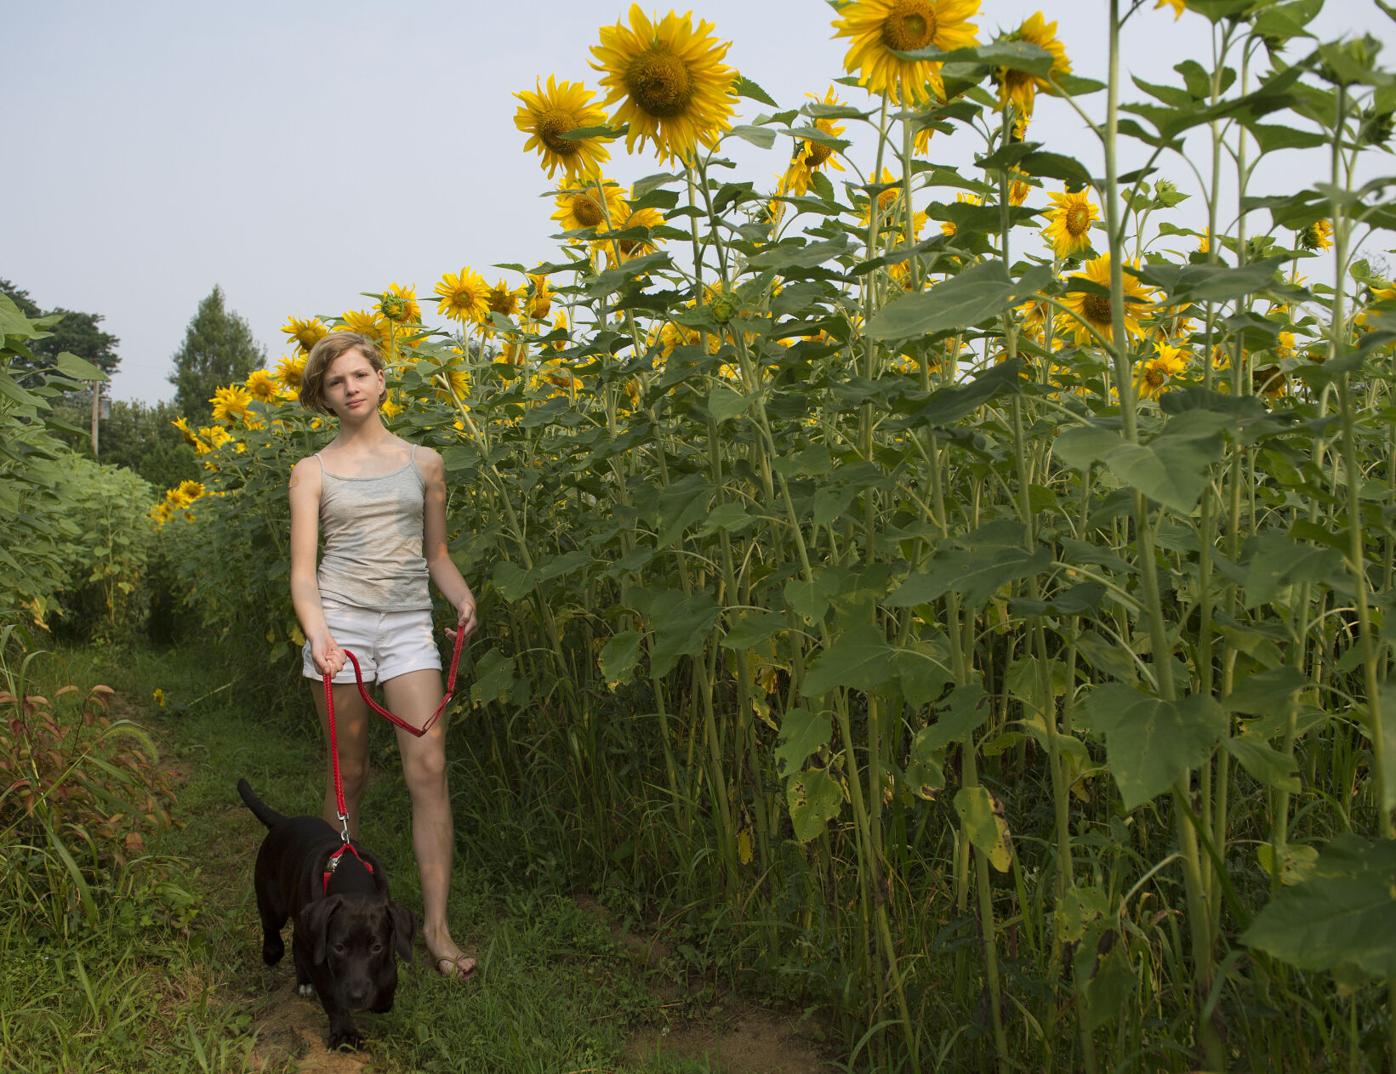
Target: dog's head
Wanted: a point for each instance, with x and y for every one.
(356, 941)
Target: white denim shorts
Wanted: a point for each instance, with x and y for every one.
(387, 644)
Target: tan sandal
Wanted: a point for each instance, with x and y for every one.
(458, 968)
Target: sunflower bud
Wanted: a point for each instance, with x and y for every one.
(723, 307)
(393, 307)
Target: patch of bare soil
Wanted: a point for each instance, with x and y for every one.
(291, 1033)
(748, 1040)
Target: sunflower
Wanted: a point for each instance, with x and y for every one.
(399, 304)
(811, 155)
(1317, 236)
(1018, 189)
(232, 402)
(453, 385)
(540, 299)
(889, 202)
(1020, 87)
(647, 219)
(549, 114)
(582, 208)
(289, 372)
(186, 492)
(514, 351)
(1178, 7)
(305, 333)
(262, 385)
(368, 323)
(461, 296)
(503, 300)
(390, 406)
(879, 29)
(1094, 310)
(182, 424)
(1068, 229)
(669, 82)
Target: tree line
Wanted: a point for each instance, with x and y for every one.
(218, 348)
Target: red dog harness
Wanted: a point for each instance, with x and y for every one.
(343, 814)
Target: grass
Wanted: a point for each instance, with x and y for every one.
(153, 989)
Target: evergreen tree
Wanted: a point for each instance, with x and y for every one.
(218, 349)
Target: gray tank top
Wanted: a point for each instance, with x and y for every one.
(372, 530)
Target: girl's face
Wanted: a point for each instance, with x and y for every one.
(352, 387)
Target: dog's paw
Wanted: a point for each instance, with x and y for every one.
(272, 951)
(345, 1038)
(305, 991)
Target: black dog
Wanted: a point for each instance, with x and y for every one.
(346, 930)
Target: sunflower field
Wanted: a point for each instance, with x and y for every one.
(958, 595)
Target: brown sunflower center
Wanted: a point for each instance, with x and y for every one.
(1097, 309)
(659, 83)
(1078, 221)
(1154, 376)
(816, 153)
(587, 211)
(551, 127)
(911, 24)
(501, 301)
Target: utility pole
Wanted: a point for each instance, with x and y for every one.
(96, 413)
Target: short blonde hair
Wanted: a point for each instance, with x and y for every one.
(322, 356)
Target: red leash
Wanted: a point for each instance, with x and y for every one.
(398, 721)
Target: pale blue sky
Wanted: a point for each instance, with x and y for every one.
(298, 154)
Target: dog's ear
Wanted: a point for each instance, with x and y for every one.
(315, 919)
(404, 929)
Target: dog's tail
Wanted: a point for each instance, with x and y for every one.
(265, 813)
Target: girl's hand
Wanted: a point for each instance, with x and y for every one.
(328, 656)
(465, 618)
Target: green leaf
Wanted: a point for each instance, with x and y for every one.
(618, 656)
(976, 573)
(1151, 743)
(494, 677)
(810, 599)
(1344, 915)
(1172, 469)
(860, 659)
(1265, 764)
(982, 824)
(1278, 562)
(512, 581)
(796, 253)
(748, 628)
(802, 734)
(924, 774)
(745, 87)
(70, 365)
(960, 302)
(730, 517)
(814, 798)
(1046, 165)
(1265, 691)
(761, 137)
(1210, 283)
(725, 404)
(681, 626)
(966, 711)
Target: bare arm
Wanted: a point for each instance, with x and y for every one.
(434, 548)
(305, 590)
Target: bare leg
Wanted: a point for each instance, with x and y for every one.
(413, 696)
(351, 732)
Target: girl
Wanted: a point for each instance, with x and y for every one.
(382, 504)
